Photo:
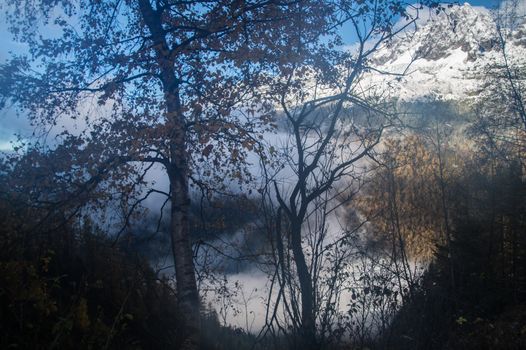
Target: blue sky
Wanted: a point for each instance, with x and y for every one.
(485, 3)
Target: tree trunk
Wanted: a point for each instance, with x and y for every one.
(178, 173)
(187, 293)
(307, 334)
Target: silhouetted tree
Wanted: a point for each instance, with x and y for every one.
(334, 126)
(167, 76)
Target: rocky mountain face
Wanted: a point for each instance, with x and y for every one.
(445, 57)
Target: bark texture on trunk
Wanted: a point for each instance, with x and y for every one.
(187, 293)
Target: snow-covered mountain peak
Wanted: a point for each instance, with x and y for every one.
(441, 56)
(465, 27)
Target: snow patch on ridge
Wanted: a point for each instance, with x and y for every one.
(443, 58)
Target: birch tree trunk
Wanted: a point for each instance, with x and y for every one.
(178, 173)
